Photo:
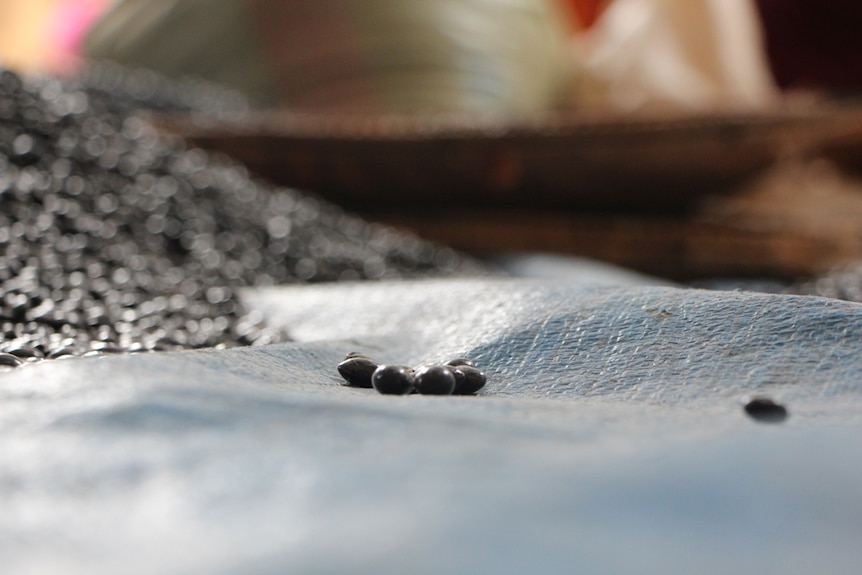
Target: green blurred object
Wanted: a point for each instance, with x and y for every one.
(210, 39)
(406, 56)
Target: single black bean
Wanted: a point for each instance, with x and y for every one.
(461, 361)
(357, 371)
(26, 353)
(393, 380)
(60, 352)
(9, 360)
(765, 409)
(434, 380)
(471, 381)
(108, 349)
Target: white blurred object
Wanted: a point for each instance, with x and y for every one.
(673, 54)
(571, 269)
(473, 56)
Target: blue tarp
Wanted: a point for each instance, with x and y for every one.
(610, 439)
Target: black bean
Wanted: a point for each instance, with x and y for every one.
(765, 409)
(60, 352)
(471, 380)
(107, 348)
(23, 149)
(25, 353)
(357, 371)
(434, 380)
(458, 374)
(461, 361)
(9, 360)
(393, 380)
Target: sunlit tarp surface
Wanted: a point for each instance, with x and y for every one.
(610, 438)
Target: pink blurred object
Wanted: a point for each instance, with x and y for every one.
(67, 29)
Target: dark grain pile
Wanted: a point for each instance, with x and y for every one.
(114, 238)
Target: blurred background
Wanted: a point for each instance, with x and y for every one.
(662, 135)
(508, 56)
(406, 55)
(45, 35)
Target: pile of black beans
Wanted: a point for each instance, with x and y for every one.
(458, 376)
(114, 238)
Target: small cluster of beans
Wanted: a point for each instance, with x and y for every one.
(456, 377)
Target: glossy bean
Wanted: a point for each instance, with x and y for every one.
(393, 380)
(434, 380)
